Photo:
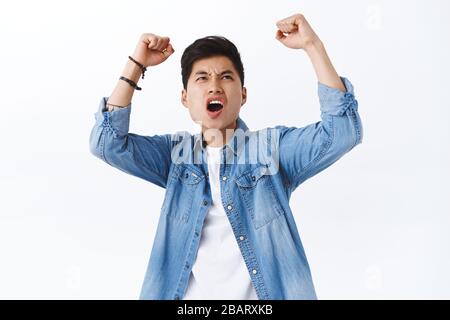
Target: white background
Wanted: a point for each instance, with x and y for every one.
(375, 225)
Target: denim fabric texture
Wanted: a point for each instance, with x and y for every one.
(259, 171)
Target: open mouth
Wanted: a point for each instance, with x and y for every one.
(215, 106)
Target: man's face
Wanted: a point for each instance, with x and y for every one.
(214, 94)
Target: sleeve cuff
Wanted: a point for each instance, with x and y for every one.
(335, 102)
(117, 120)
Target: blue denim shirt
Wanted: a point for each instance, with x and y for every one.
(255, 191)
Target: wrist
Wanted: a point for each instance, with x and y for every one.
(112, 107)
(132, 71)
(315, 47)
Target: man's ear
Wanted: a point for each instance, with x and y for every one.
(244, 96)
(184, 98)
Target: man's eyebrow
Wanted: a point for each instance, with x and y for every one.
(222, 73)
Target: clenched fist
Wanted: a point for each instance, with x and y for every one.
(152, 50)
(295, 32)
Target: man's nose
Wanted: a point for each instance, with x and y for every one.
(215, 86)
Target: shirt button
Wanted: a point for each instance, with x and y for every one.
(230, 207)
(241, 238)
(196, 233)
(205, 203)
(254, 271)
(177, 297)
(224, 178)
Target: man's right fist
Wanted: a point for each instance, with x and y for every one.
(151, 49)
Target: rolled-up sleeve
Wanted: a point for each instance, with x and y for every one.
(146, 157)
(308, 150)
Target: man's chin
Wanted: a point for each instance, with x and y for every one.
(212, 124)
(217, 124)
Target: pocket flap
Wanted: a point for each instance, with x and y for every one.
(189, 176)
(250, 179)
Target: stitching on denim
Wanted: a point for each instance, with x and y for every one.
(178, 175)
(258, 279)
(246, 173)
(102, 147)
(250, 259)
(277, 207)
(243, 191)
(327, 147)
(155, 173)
(356, 127)
(108, 127)
(102, 141)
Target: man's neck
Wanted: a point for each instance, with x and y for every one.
(218, 137)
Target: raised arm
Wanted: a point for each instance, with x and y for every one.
(151, 50)
(296, 33)
(306, 151)
(147, 157)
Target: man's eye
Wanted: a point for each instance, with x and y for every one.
(223, 77)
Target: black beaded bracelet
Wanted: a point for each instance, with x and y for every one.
(140, 65)
(131, 82)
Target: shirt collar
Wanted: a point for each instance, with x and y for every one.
(232, 146)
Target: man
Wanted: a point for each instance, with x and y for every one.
(226, 230)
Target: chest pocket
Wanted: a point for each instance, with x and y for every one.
(258, 194)
(180, 191)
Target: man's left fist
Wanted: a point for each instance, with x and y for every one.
(295, 32)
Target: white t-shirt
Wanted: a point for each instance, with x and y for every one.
(219, 271)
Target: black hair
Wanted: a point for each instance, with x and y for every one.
(209, 47)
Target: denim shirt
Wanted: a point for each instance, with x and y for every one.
(255, 191)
